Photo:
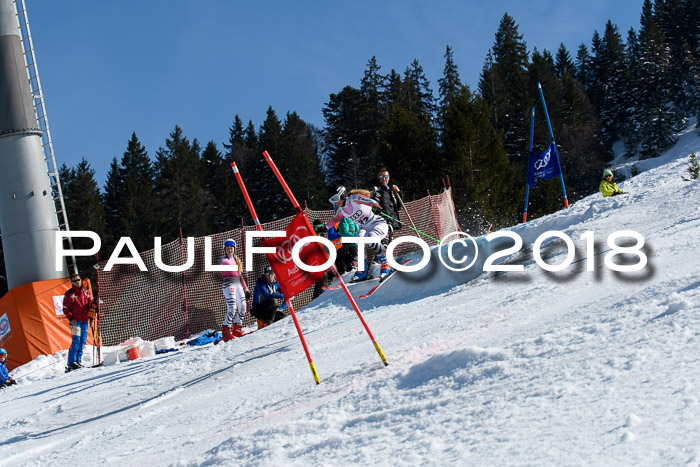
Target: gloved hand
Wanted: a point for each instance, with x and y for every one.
(93, 310)
(247, 294)
(376, 210)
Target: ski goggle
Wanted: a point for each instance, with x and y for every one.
(229, 243)
(335, 198)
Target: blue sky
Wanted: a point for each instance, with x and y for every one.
(112, 68)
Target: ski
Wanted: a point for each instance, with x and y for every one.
(363, 281)
(349, 284)
(382, 282)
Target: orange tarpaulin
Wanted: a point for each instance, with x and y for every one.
(32, 321)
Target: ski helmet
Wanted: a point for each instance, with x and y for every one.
(339, 194)
(3, 352)
(229, 242)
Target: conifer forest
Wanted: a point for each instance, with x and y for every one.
(634, 89)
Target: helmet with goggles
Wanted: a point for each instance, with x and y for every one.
(339, 194)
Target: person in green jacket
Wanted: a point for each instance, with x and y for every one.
(347, 254)
(607, 186)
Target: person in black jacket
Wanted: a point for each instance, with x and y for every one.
(389, 198)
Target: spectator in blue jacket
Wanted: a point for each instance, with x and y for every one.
(267, 298)
(5, 379)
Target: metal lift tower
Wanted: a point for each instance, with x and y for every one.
(31, 202)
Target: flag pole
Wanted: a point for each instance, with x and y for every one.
(239, 179)
(549, 124)
(335, 271)
(529, 154)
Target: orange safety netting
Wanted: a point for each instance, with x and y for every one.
(153, 304)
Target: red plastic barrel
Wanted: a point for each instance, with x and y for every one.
(133, 353)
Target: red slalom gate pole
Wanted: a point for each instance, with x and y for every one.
(239, 179)
(335, 271)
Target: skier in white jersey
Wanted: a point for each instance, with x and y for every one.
(359, 207)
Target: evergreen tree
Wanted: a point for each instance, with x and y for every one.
(393, 90)
(225, 208)
(610, 82)
(548, 195)
(685, 90)
(416, 96)
(483, 181)
(696, 79)
(182, 199)
(503, 84)
(267, 194)
(81, 196)
(584, 67)
(240, 148)
(449, 86)
(581, 152)
(575, 127)
(372, 115)
(594, 87)
(409, 148)
(112, 197)
(250, 138)
(236, 133)
(129, 197)
(655, 109)
(344, 161)
(679, 22)
(564, 65)
(631, 126)
(301, 165)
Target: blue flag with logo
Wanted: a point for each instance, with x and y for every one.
(543, 165)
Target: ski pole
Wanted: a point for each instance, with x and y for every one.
(34, 371)
(422, 233)
(406, 211)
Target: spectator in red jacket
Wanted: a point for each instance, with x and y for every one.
(76, 307)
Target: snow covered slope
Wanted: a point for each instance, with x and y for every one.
(568, 368)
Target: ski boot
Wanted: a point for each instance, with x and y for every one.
(226, 334)
(237, 332)
(385, 269)
(361, 275)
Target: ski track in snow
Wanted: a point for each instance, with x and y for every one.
(568, 368)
